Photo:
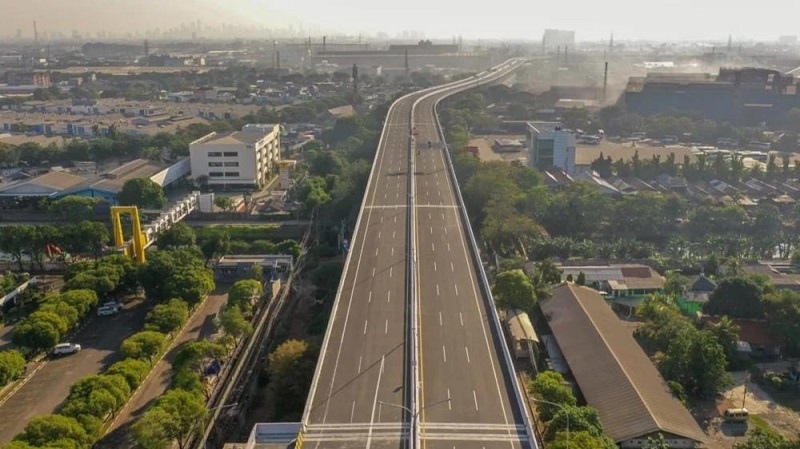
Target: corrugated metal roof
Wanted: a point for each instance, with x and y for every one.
(614, 374)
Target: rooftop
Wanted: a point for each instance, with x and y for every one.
(612, 369)
(48, 184)
(621, 277)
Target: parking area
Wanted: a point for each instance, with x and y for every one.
(49, 386)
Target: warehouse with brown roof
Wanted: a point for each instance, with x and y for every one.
(614, 374)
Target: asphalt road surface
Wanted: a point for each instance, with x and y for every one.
(362, 376)
(363, 362)
(459, 350)
(48, 388)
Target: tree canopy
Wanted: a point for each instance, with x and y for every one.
(142, 192)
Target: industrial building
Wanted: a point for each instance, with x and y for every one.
(747, 96)
(550, 146)
(240, 160)
(553, 39)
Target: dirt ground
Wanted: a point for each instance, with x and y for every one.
(585, 154)
(485, 152)
(723, 435)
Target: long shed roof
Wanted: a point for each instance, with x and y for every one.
(613, 372)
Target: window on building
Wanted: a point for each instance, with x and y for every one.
(214, 154)
(215, 164)
(231, 154)
(545, 153)
(231, 174)
(215, 174)
(232, 164)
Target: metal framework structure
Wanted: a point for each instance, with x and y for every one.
(134, 248)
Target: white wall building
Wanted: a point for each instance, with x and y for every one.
(550, 147)
(241, 160)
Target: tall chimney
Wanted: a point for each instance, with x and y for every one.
(605, 81)
(324, 42)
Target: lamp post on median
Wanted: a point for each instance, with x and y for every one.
(566, 413)
(414, 416)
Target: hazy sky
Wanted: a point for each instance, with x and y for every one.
(591, 19)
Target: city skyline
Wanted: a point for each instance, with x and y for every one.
(710, 20)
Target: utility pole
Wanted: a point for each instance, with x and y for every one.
(355, 84)
(605, 81)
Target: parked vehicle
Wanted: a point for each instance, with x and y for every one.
(66, 348)
(106, 310)
(115, 304)
(736, 415)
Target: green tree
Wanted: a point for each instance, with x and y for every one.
(12, 366)
(783, 313)
(82, 300)
(243, 294)
(581, 279)
(291, 367)
(74, 208)
(191, 285)
(657, 443)
(169, 317)
(154, 429)
(234, 324)
(161, 265)
(762, 439)
(737, 297)
(186, 410)
(84, 237)
(580, 419)
(55, 431)
(61, 309)
(727, 335)
(216, 246)
(514, 290)
(581, 439)
(97, 395)
(675, 284)
(224, 202)
(143, 345)
(36, 335)
(180, 235)
(15, 240)
(133, 370)
(550, 386)
(142, 192)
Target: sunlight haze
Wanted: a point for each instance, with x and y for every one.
(501, 19)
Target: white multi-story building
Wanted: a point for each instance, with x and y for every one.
(240, 160)
(550, 147)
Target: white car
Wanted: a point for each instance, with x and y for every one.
(106, 310)
(115, 304)
(66, 348)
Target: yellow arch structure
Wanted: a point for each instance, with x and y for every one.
(135, 248)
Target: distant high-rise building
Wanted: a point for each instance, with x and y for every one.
(558, 38)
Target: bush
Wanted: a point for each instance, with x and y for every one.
(12, 366)
(143, 345)
(133, 370)
(168, 317)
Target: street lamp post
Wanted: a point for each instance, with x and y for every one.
(414, 416)
(566, 413)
